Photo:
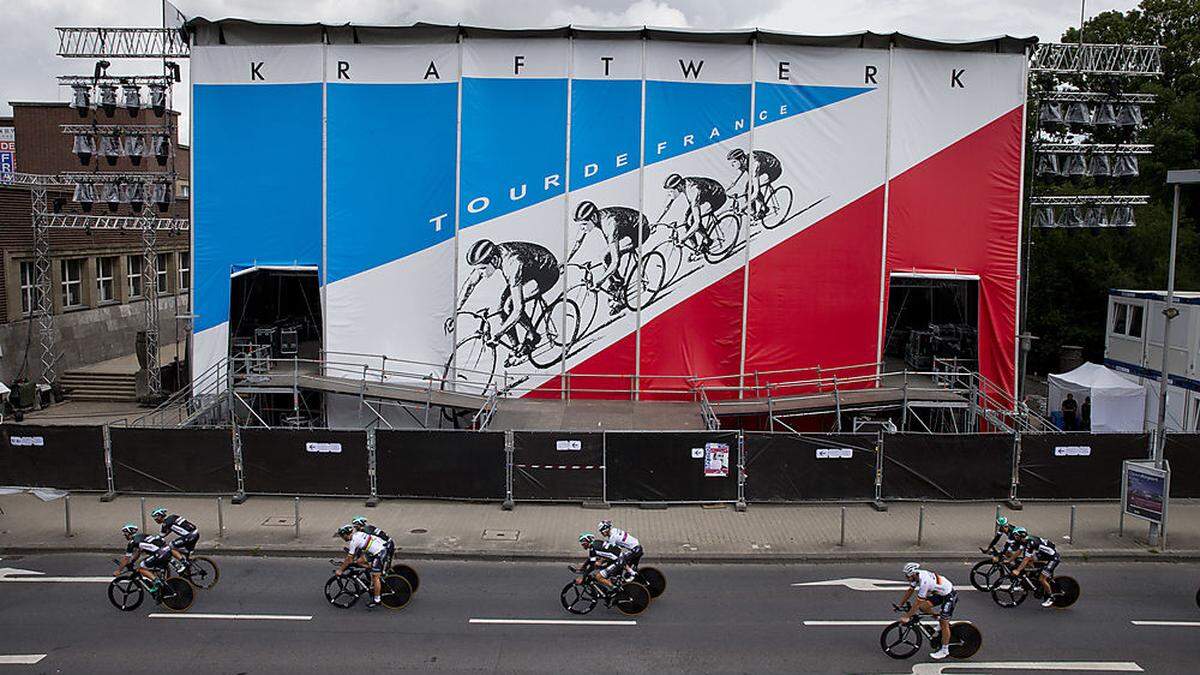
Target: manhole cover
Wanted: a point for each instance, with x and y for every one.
(280, 521)
(501, 535)
(419, 530)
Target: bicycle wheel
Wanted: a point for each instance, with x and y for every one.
(341, 592)
(900, 640)
(1009, 592)
(633, 599)
(723, 237)
(560, 327)
(653, 277)
(409, 574)
(779, 207)
(577, 598)
(202, 572)
(965, 639)
(125, 594)
(653, 580)
(984, 574)
(1066, 591)
(473, 367)
(588, 303)
(178, 594)
(395, 592)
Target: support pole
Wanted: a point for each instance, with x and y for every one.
(842, 538)
(220, 518)
(878, 504)
(1071, 527)
(111, 494)
(1169, 313)
(741, 469)
(150, 290)
(142, 507)
(1013, 502)
(508, 467)
(373, 500)
(67, 514)
(920, 525)
(297, 518)
(44, 302)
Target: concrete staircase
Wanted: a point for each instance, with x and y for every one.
(90, 385)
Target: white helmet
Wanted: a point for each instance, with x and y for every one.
(911, 568)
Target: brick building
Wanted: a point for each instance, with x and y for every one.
(97, 281)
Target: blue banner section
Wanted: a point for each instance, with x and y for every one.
(391, 155)
(781, 101)
(686, 116)
(257, 178)
(514, 145)
(605, 129)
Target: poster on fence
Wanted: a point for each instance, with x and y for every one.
(1144, 490)
(716, 460)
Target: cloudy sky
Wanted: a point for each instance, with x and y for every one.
(28, 40)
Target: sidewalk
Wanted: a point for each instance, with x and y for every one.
(429, 529)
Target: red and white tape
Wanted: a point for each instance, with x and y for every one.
(568, 467)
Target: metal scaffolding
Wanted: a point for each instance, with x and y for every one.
(1089, 200)
(121, 43)
(1091, 59)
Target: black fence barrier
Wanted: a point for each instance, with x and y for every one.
(1182, 453)
(66, 457)
(947, 466)
(173, 460)
(1076, 465)
(670, 466)
(305, 462)
(795, 468)
(444, 464)
(558, 466)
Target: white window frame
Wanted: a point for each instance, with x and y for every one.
(162, 273)
(67, 283)
(111, 277)
(29, 289)
(134, 280)
(1120, 311)
(183, 270)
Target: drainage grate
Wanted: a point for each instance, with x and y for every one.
(280, 521)
(501, 535)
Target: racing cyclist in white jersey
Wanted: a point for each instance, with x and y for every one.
(631, 548)
(932, 591)
(367, 550)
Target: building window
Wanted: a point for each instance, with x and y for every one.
(1127, 319)
(105, 275)
(1135, 321)
(72, 283)
(183, 190)
(133, 276)
(164, 261)
(185, 271)
(29, 289)
(1120, 316)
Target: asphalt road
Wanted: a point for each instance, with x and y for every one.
(730, 618)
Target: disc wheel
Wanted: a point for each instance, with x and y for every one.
(1066, 591)
(395, 591)
(341, 592)
(577, 598)
(178, 594)
(409, 574)
(965, 639)
(125, 594)
(899, 640)
(653, 580)
(633, 599)
(984, 574)
(779, 207)
(723, 238)
(203, 573)
(1009, 592)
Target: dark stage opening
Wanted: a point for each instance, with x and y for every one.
(932, 317)
(279, 308)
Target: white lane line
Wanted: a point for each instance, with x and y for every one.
(1185, 624)
(13, 574)
(240, 617)
(848, 623)
(20, 659)
(553, 622)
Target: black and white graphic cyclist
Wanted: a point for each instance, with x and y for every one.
(622, 228)
(529, 270)
(704, 197)
(767, 170)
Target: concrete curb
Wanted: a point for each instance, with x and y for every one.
(1097, 555)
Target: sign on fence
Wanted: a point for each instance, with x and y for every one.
(1144, 490)
(716, 460)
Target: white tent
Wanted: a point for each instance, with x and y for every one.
(1118, 403)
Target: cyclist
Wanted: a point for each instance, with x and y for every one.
(622, 228)
(767, 170)
(361, 525)
(368, 551)
(157, 552)
(704, 196)
(601, 554)
(529, 271)
(631, 548)
(933, 592)
(1004, 530)
(185, 532)
(1040, 553)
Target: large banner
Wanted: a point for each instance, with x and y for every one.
(608, 216)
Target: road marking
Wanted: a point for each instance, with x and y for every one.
(240, 617)
(20, 659)
(1185, 624)
(859, 584)
(848, 623)
(1079, 666)
(554, 622)
(12, 574)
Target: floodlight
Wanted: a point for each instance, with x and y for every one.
(108, 98)
(85, 194)
(1126, 166)
(1047, 164)
(162, 196)
(1100, 166)
(1078, 113)
(1122, 216)
(1044, 217)
(84, 146)
(1074, 166)
(1072, 217)
(133, 98)
(1105, 115)
(162, 148)
(1129, 115)
(110, 148)
(81, 98)
(1051, 113)
(136, 193)
(1093, 216)
(112, 195)
(135, 148)
(158, 98)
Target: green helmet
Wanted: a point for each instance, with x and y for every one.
(344, 530)
(160, 512)
(359, 521)
(1019, 532)
(1001, 521)
(129, 528)
(587, 538)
